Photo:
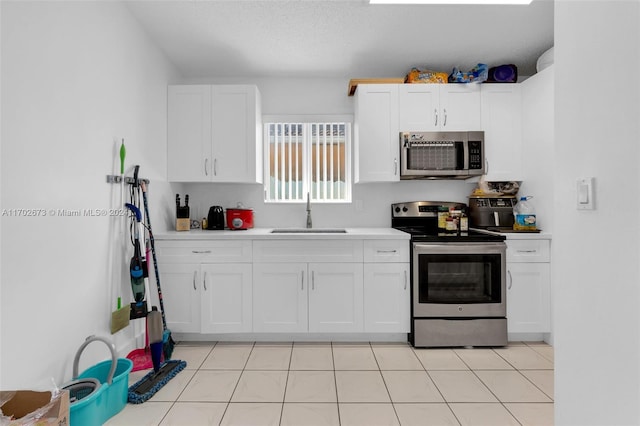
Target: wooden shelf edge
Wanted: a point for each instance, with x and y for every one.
(353, 83)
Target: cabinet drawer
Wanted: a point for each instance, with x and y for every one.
(386, 251)
(204, 251)
(528, 250)
(307, 251)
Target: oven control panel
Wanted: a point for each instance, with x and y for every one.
(422, 208)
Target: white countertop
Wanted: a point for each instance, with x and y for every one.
(265, 233)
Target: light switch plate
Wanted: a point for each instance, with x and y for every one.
(585, 194)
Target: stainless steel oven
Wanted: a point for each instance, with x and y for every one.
(459, 293)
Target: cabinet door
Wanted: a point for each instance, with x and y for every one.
(419, 107)
(181, 296)
(386, 298)
(376, 133)
(528, 298)
(280, 297)
(502, 125)
(460, 107)
(236, 134)
(189, 133)
(336, 297)
(226, 298)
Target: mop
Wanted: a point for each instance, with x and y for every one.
(151, 383)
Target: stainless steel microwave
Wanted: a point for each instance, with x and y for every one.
(441, 155)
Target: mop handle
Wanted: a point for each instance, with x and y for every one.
(153, 252)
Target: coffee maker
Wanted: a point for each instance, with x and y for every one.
(492, 213)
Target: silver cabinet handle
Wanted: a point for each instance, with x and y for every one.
(486, 164)
(387, 251)
(195, 273)
(510, 280)
(215, 167)
(435, 114)
(405, 279)
(204, 281)
(395, 166)
(526, 251)
(201, 251)
(302, 280)
(313, 280)
(445, 118)
(206, 167)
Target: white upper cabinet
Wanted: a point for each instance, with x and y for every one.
(502, 125)
(439, 107)
(214, 134)
(189, 133)
(376, 133)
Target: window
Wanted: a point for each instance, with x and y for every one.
(309, 158)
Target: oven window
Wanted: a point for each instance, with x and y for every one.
(459, 278)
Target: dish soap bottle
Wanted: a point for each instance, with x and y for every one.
(525, 215)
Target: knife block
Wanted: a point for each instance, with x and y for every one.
(183, 224)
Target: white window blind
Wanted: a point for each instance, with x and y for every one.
(309, 158)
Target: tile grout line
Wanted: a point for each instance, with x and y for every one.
(437, 388)
(237, 383)
(286, 383)
(335, 381)
(175, 401)
(385, 383)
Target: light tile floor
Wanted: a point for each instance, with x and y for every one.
(350, 384)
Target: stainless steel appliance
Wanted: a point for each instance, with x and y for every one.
(433, 155)
(458, 290)
(494, 213)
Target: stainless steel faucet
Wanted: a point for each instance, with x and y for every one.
(309, 225)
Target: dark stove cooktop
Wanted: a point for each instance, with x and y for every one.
(427, 235)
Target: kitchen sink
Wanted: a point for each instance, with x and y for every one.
(309, 231)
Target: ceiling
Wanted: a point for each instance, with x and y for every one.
(342, 38)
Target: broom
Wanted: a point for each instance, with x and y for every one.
(167, 340)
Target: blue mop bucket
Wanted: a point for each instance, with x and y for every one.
(110, 396)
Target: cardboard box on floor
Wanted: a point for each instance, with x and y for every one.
(35, 408)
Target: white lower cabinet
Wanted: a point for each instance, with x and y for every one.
(280, 297)
(386, 297)
(207, 298)
(314, 297)
(387, 290)
(181, 296)
(335, 297)
(528, 286)
(226, 298)
(206, 286)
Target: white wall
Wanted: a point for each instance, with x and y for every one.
(595, 257)
(76, 78)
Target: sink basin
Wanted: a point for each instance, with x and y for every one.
(309, 231)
